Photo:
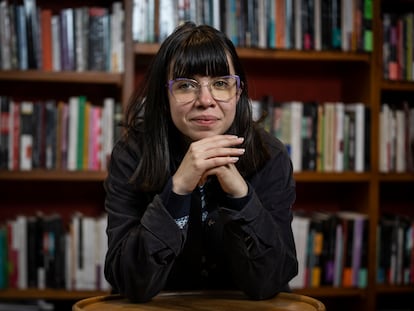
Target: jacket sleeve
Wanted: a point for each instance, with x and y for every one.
(143, 238)
(258, 237)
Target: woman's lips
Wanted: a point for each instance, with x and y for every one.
(205, 120)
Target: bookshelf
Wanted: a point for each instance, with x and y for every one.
(286, 75)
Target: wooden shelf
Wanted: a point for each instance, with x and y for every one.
(54, 294)
(316, 177)
(324, 291)
(87, 77)
(64, 175)
(149, 49)
(327, 291)
(53, 175)
(388, 85)
(396, 177)
(388, 289)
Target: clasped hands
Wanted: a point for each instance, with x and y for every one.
(215, 155)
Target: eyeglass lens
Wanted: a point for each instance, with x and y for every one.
(187, 90)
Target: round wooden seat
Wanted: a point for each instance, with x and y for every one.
(202, 301)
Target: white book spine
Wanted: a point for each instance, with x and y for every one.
(360, 137)
(317, 17)
(108, 130)
(56, 48)
(73, 132)
(296, 130)
(21, 232)
(298, 24)
(400, 142)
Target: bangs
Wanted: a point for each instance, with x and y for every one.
(204, 58)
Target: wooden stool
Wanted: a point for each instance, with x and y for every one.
(205, 301)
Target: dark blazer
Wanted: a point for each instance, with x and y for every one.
(243, 244)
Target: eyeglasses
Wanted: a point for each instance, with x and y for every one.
(187, 90)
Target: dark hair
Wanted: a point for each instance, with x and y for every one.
(188, 51)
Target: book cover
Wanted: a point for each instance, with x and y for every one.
(72, 134)
(4, 131)
(329, 229)
(98, 38)
(32, 31)
(81, 17)
(21, 37)
(309, 136)
(46, 38)
(56, 43)
(67, 39)
(54, 255)
(80, 132)
(38, 155)
(5, 37)
(308, 30)
(339, 137)
(51, 132)
(3, 257)
(329, 137)
(14, 136)
(300, 228)
(26, 135)
(280, 21)
(367, 34)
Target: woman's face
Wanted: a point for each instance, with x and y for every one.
(204, 116)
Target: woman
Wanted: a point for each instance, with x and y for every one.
(198, 196)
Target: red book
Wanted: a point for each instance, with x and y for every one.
(46, 24)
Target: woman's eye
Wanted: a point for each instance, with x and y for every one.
(187, 86)
(220, 84)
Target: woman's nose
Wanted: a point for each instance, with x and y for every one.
(204, 96)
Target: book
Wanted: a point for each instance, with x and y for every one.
(21, 37)
(3, 257)
(56, 43)
(4, 131)
(81, 132)
(14, 136)
(26, 135)
(32, 32)
(296, 113)
(354, 224)
(51, 117)
(98, 39)
(339, 137)
(309, 136)
(117, 35)
(280, 24)
(46, 38)
(329, 228)
(67, 39)
(72, 134)
(62, 135)
(54, 251)
(329, 137)
(300, 228)
(81, 20)
(308, 30)
(107, 131)
(314, 251)
(39, 135)
(5, 37)
(21, 236)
